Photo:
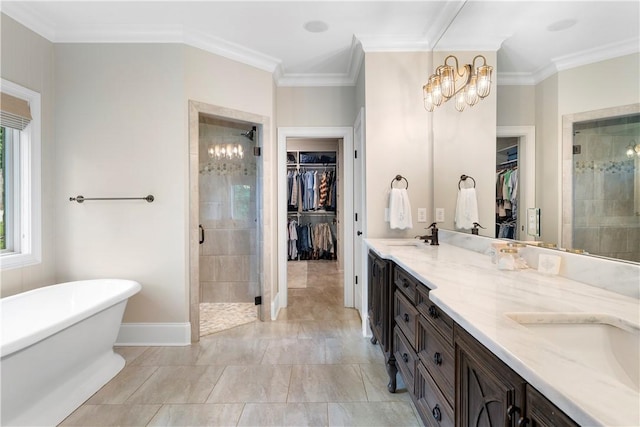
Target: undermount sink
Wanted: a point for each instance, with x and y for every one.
(606, 343)
(408, 242)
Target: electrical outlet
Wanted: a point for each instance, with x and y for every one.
(422, 214)
(439, 214)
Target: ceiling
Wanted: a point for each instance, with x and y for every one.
(534, 39)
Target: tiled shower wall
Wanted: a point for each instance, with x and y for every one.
(606, 187)
(227, 192)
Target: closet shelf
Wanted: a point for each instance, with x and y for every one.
(507, 148)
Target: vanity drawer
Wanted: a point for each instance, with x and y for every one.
(440, 321)
(434, 409)
(406, 317)
(405, 283)
(438, 357)
(406, 358)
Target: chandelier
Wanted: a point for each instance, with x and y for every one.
(468, 84)
(226, 151)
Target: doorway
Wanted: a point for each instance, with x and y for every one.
(227, 187)
(343, 215)
(242, 201)
(517, 143)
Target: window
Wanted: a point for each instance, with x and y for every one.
(20, 235)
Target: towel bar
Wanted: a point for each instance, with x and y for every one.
(81, 199)
(400, 178)
(464, 178)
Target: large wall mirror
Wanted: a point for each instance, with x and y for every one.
(570, 72)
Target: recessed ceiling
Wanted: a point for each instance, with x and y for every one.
(534, 38)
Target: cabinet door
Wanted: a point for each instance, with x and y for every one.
(542, 413)
(378, 300)
(489, 393)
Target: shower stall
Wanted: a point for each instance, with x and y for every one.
(228, 230)
(606, 186)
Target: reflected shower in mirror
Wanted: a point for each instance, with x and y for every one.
(606, 187)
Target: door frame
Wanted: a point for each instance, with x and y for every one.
(193, 250)
(346, 194)
(359, 204)
(527, 166)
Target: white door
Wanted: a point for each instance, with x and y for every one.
(358, 220)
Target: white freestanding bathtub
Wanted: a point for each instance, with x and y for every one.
(57, 348)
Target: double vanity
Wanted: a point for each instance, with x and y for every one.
(476, 345)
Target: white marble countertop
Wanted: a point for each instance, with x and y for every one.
(471, 289)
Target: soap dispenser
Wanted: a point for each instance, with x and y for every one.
(434, 234)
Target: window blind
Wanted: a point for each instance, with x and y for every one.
(14, 112)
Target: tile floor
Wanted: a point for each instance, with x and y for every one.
(311, 367)
(218, 316)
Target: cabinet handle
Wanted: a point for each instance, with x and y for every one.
(523, 421)
(201, 234)
(406, 317)
(512, 409)
(405, 283)
(437, 358)
(405, 357)
(433, 312)
(436, 413)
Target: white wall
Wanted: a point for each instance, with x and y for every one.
(316, 106)
(120, 131)
(28, 60)
(516, 105)
(397, 137)
(465, 143)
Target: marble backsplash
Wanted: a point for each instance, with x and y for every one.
(616, 276)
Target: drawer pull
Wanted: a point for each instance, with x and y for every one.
(405, 357)
(405, 283)
(437, 358)
(437, 414)
(406, 317)
(433, 312)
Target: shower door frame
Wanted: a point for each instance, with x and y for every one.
(264, 169)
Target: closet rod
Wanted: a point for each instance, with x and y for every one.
(81, 199)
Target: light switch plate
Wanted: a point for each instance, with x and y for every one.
(439, 214)
(422, 214)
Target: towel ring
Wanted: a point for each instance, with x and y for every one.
(400, 178)
(464, 178)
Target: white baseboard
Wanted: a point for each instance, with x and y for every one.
(154, 334)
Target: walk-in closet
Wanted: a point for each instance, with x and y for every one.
(507, 180)
(313, 242)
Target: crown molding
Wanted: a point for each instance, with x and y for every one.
(232, 51)
(567, 62)
(26, 15)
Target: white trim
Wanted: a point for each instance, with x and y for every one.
(30, 183)
(154, 334)
(346, 133)
(526, 164)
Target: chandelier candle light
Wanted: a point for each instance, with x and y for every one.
(468, 84)
(226, 151)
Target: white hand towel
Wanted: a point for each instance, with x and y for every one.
(466, 208)
(399, 209)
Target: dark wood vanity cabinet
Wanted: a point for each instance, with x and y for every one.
(540, 412)
(452, 378)
(489, 393)
(380, 311)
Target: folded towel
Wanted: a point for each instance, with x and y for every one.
(466, 208)
(399, 209)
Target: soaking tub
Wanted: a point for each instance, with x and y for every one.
(57, 347)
